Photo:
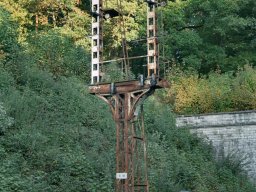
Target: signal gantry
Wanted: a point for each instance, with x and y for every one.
(126, 98)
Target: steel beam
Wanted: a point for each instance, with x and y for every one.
(97, 40)
(126, 86)
(152, 41)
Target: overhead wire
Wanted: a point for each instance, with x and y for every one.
(163, 58)
(121, 59)
(126, 63)
(122, 27)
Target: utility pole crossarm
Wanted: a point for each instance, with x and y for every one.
(126, 86)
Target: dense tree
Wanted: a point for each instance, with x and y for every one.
(210, 35)
(8, 37)
(65, 17)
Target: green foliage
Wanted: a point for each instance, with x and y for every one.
(57, 53)
(19, 15)
(55, 137)
(8, 36)
(207, 35)
(244, 91)
(113, 73)
(190, 94)
(53, 143)
(5, 120)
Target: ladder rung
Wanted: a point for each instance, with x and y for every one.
(140, 185)
(140, 138)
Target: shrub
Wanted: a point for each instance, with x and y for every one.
(191, 94)
(5, 120)
(244, 89)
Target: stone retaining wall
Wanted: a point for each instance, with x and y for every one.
(229, 133)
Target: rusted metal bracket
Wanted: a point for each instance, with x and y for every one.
(125, 100)
(127, 86)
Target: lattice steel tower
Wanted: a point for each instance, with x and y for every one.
(126, 101)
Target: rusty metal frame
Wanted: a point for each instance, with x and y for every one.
(126, 102)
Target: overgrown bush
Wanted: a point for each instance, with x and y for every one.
(178, 160)
(191, 94)
(5, 120)
(244, 89)
(59, 140)
(58, 54)
(8, 37)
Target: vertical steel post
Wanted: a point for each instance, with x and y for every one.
(152, 39)
(131, 144)
(97, 40)
(126, 102)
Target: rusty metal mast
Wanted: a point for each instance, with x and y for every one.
(126, 102)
